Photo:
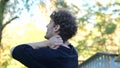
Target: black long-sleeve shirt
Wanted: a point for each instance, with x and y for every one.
(45, 57)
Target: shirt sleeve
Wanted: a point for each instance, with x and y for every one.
(33, 58)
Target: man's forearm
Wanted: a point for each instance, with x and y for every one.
(37, 45)
(52, 42)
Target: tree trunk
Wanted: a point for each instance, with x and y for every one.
(2, 9)
(3, 4)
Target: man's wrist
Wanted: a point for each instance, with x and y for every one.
(48, 43)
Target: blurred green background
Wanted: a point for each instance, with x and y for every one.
(24, 21)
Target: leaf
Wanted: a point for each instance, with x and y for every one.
(61, 3)
(102, 41)
(99, 25)
(99, 40)
(110, 28)
(81, 46)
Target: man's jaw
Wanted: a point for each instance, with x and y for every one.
(46, 37)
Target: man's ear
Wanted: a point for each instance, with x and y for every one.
(56, 28)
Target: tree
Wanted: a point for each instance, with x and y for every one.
(101, 25)
(12, 9)
(9, 11)
(3, 4)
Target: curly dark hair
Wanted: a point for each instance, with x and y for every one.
(67, 22)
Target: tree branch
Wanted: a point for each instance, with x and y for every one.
(8, 22)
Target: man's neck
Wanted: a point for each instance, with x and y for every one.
(65, 44)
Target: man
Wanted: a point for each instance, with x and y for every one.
(56, 51)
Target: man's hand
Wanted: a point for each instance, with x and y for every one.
(55, 42)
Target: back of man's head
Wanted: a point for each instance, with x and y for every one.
(67, 22)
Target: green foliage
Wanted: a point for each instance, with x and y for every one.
(103, 32)
(61, 4)
(82, 45)
(117, 2)
(99, 40)
(110, 28)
